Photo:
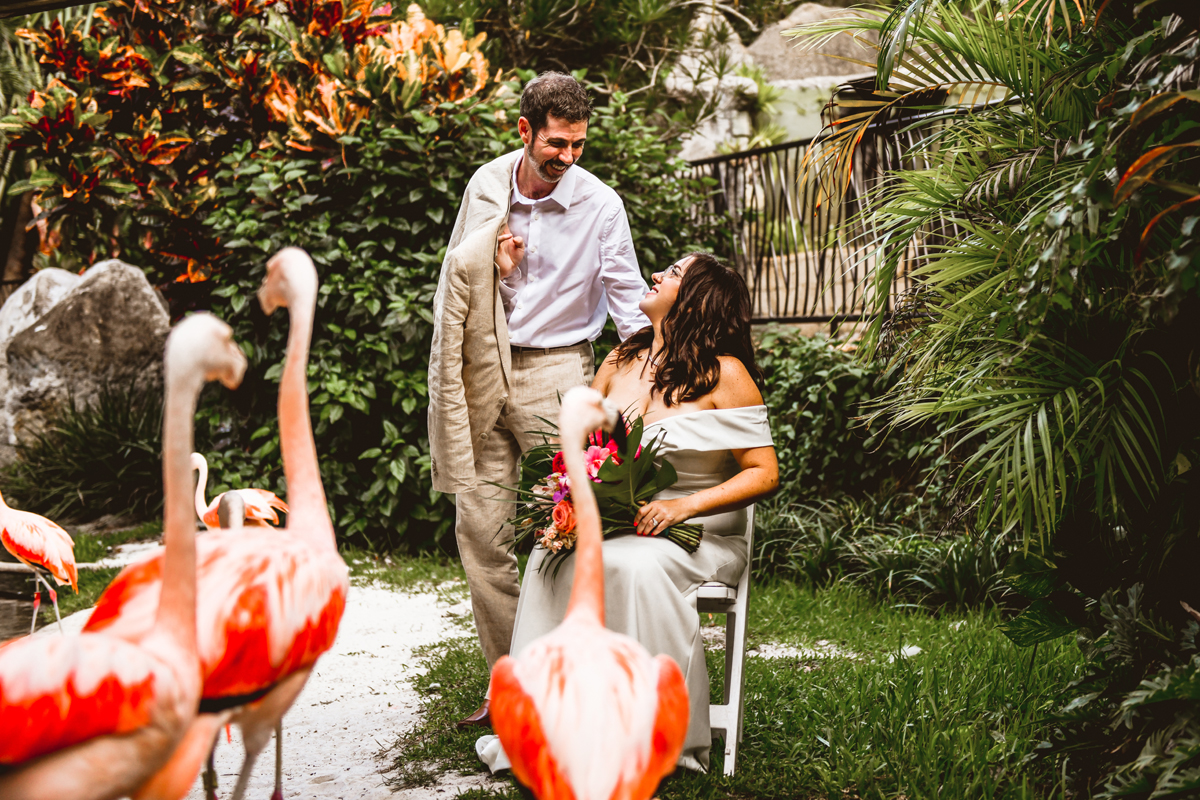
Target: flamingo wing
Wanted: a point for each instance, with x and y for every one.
(59, 691)
(670, 726)
(261, 505)
(267, 606)
(261, 508)
(34, 539)
(516, 721)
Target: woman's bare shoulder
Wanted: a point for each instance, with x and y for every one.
(735, 388)
(604, 375)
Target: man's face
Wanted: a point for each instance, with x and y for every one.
(554, 147)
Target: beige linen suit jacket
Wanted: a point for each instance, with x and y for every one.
(470, 361)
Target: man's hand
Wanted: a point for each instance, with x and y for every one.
(510, 250)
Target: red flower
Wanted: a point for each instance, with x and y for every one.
(558, 463)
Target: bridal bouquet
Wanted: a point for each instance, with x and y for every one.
(623, 478)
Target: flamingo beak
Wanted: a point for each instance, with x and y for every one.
(265, 299)
(619, 432)
(231, 376)
(612, 418)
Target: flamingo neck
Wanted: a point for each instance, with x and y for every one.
(201, 486)
(587, 592)
(176, 617)
(306, 495)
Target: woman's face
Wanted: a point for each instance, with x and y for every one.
(664, 288)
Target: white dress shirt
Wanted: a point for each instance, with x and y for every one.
(579, 265)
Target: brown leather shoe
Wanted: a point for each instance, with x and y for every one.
(481, 718)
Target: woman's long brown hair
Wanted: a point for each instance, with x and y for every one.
(710, 318)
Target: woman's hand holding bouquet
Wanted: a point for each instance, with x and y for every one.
(625, 479)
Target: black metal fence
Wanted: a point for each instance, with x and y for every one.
(801, 260)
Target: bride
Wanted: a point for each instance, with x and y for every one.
(691, 376)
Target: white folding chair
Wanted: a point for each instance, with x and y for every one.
(719, 598)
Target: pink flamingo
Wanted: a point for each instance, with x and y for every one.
(37, 542)
(270, 604)
(585, 713)
(92, 716)
(260, 504)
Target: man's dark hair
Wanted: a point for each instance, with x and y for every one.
(554, 94)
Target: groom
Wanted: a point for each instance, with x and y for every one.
(540, 254)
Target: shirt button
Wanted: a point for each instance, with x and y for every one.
(533, 250)
(533, 278)
(519, 306)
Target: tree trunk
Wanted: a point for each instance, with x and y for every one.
(21, 249)
(16, 8)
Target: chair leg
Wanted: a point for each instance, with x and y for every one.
(735, 681)
(730, 635)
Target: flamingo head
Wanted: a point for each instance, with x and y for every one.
(290, 273)
(203, 340)
(584, 410)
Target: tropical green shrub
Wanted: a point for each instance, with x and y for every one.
(93, 459)
(820, 399)
(143, 102)
(1054, 331)
(891, 545)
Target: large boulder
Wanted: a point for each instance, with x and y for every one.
(109, 330)
(785, 59)
(22, 308)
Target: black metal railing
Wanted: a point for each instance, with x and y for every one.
(806, 261)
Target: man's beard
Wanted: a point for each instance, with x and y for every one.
(539, 167)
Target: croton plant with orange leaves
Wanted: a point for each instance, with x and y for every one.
(124, 140)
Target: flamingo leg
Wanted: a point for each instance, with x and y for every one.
(53, 599)
(278, 795)
(210, 774)
(260, 719)
(37, 603)
(244, 776)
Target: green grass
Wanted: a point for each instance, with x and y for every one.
(424, 572)
(958, 720)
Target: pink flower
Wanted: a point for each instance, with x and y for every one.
(594, 458)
